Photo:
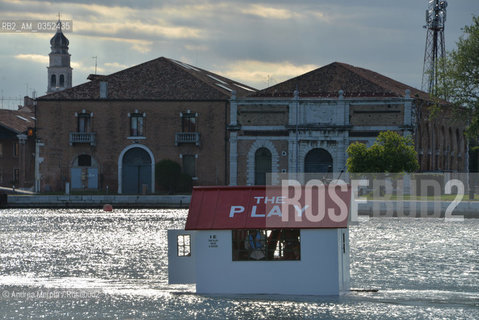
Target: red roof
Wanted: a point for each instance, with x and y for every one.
(17, 121)
(354, 81)
(265, 207)
(158, 79)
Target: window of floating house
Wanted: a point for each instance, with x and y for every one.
(184, 245)
(271, 245)
(137, 124)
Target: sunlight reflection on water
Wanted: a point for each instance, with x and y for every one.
(423, 268)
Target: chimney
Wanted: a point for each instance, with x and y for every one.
(103, 89)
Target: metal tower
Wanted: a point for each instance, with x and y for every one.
(435, 45)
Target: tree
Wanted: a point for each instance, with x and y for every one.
(391, 153)
(459, 80)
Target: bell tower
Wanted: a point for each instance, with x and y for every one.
(59, 70)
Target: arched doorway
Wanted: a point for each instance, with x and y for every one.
(318, 160)
(262, 165)
(136, 171)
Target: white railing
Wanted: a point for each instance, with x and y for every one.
(83, 137)
(187, 137)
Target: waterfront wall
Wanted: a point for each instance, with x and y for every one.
(373, 208)
(97, 201)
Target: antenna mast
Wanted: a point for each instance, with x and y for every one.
(435, 46)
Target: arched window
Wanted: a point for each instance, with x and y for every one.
(136, 175)
(62, 80)
(318, 160)
(262, 165)
(53, 81)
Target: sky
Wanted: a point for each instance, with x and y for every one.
(256, 43)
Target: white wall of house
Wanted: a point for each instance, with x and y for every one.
(322, 270)
(181, 269)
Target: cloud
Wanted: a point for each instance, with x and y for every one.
(268, 12)
(33, 57)
(77, 66)
(138, 29)
(260, 74)
(39, 58)
(191, 47)
(115, 65)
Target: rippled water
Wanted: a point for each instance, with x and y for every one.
(84, 264)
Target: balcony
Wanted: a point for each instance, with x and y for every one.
(187, 137)
(83, 137)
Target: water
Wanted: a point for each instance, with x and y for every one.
(88, 264)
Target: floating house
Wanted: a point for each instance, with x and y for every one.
(264, 240)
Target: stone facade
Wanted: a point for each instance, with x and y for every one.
(108, 133)
(305, 126)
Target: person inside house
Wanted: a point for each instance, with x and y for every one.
(291, 244)
(273, 239)
(256, 243)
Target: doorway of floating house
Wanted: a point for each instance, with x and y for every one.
(136, 171)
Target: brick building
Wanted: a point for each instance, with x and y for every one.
(109, 132)
(17, 147)
(305, 124)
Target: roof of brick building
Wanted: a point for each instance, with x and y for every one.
(158, 79)
(17, 121)
(328, 80)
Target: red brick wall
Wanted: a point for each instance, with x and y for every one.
(56, 119)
